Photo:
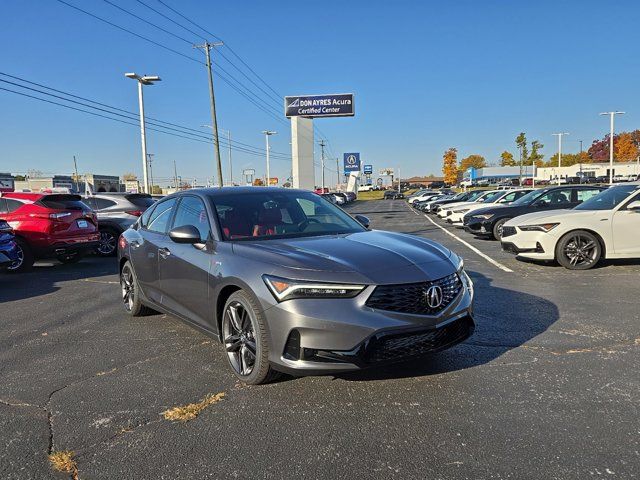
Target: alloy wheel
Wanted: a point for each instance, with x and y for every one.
(239, 338)
(127, 287)
(19, 261)
(581, 251)
(107, 243)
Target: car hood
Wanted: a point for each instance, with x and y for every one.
(372, 257)
(553, 216)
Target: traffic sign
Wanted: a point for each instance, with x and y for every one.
(351, 162)
(332, 105)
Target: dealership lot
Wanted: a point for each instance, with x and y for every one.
(546, 388)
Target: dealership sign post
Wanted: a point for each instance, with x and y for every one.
(302, 109)
(351, 162)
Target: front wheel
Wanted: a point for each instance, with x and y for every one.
(497, 228)
(25, 258)
(578, 250)
(244, 336)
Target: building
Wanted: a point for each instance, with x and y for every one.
(36, 184)
(6, 182)
(588, 170)
(422, 181)
(103, 183)
(494, 175)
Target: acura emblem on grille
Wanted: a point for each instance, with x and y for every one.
(434, 296)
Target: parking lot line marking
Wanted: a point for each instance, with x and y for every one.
(468, 245)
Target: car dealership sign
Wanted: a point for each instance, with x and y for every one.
(351, 162)
(333, 105)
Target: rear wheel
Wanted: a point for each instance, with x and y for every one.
(108, 242)
(245, 339)
(130, 290)
(25, 259)
(578, 250)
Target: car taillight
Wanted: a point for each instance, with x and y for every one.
(135, 213)
(51, 216)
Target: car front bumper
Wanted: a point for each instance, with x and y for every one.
(534, 245)
(478, 227)
(320, 336)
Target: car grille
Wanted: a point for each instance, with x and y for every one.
(386, 348)
(508, 231)
(412, 297)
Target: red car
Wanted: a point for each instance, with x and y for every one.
(49, 226)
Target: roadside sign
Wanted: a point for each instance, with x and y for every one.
(331, 105)
(368, 169)
(379, 181)
(248, 171)
(273, 181)
(386, 171)
(351, 162)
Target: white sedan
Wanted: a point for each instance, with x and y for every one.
(447, 210)
(604, 226)
(496, 199)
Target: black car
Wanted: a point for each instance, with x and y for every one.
(392, 195)
(488, 222)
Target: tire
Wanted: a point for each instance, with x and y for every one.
(69, 258)
(244, 335)
(27, 259)
(497, 228)
(108, 242)
(579, 250)
(130, 292)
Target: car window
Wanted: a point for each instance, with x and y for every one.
(583, 195)
(555, 197)
(3, 206)
(144, 219)
(159, 219)
(191, 211)
(102, 203)
(12, 205)
(608, 199)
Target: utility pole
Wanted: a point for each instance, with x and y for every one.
(150, 159)
(580, 160)
(267, 134)
(230, 166)
(144, 80)
(75, 167)
(216, 144)
(175, 175)
(559, 135)
(322, 144)
(338, 173)
(612, 115)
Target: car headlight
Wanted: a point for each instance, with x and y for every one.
(543, 227)
(285, 289)
(484, 216)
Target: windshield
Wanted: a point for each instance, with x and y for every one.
(473, 196)
(529, 197)
(491, 197)
(266, 215)
(608, 199)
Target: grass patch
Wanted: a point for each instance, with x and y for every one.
(63, 462)
(191, 411)
(371, 195)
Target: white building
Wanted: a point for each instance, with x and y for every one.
(588, 169)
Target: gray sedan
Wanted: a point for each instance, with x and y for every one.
(290, 283)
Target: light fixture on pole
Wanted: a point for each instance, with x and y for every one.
(560, 135)
(612, 115)
(143, 80)
(267, 134)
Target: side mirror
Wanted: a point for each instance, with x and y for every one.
(362, 220)
(635, 205)
(185, 234)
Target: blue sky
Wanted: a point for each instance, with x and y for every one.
(427, 75)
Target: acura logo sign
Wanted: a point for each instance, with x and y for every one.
(434, 296)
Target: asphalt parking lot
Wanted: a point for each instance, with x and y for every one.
(547, 387)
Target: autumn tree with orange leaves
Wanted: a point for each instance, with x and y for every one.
(450, 166)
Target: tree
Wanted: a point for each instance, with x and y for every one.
(475, 161)
(19, 178)
(535, 157)
(129, 176)
(599, 149)
(450, 166)
(156, 190)
(521, 143)
(625, 148)
(506, 159)
(258, 182)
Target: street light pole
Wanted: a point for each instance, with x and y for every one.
(560, 135)
(322, 144)
(144, 80)
(267, 134)
(612, 116)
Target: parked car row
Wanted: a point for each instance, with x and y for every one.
(66, 227)
(339, 198)
(576, 225)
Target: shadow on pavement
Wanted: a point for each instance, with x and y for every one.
(505, 319)
(45, 276)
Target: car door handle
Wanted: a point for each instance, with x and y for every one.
(164, 252)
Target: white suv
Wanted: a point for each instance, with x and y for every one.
(604, 226)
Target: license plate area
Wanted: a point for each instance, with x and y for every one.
(83, 224)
